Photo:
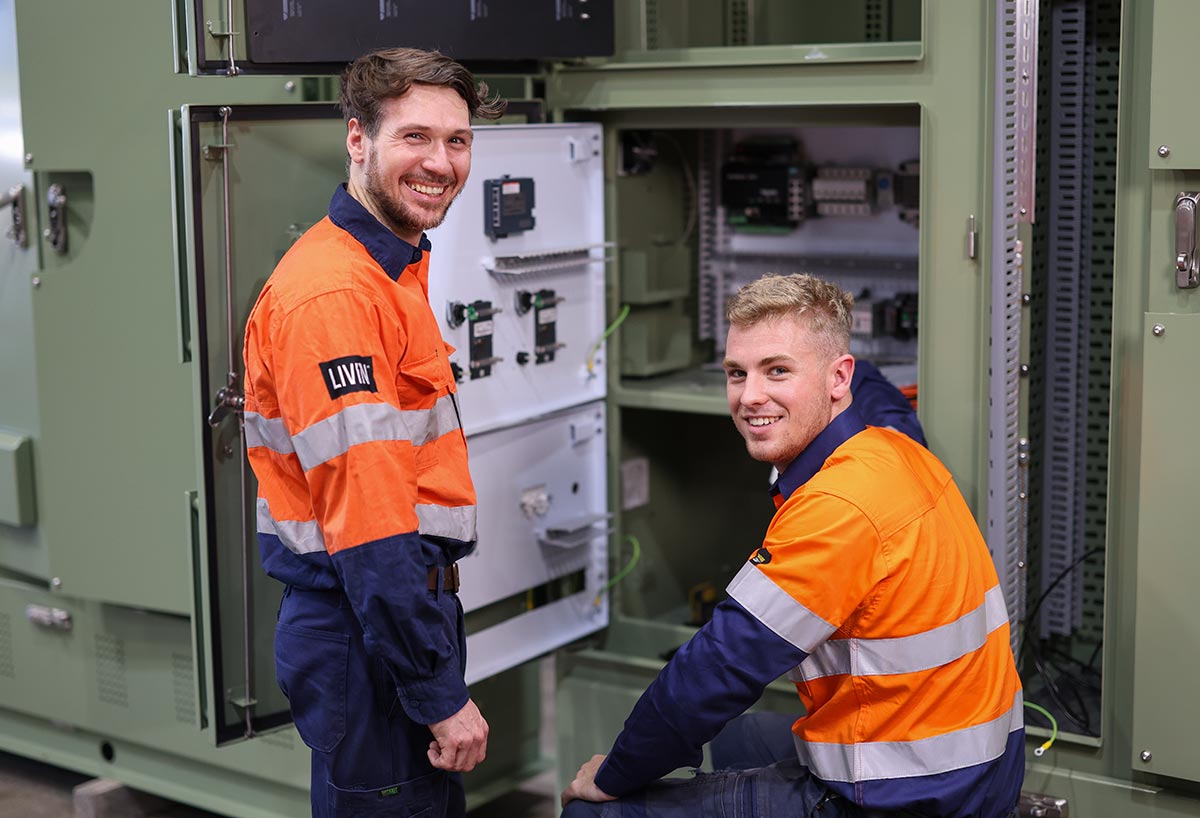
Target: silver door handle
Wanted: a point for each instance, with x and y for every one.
(1187, 267)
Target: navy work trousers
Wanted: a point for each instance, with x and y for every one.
(757, 776)
(368, 758)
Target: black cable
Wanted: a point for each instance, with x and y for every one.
(1078, 717)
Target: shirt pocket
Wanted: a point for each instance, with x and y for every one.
(423, 386)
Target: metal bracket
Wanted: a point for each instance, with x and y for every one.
(1025, 65)
(1036, 805)
(19, 232)
(56, 215)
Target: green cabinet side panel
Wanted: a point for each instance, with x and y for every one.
(1167, 649)
(1173, 74)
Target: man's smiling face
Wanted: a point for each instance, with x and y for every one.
(417, 162)
(783, 386)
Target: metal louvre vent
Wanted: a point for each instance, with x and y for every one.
(8, 667)
(183, 687)
(874, 27)
(650, 23)
(111, 684)
(739, 22)
(1005, 506)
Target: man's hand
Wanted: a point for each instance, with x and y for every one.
(584, 786)
(459, 742)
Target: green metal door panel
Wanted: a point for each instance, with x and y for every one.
(42, 667)
(22, 548)
(1167, 647)
(1173, 78)
(255, 177)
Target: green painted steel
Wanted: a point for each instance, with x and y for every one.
(22, 547)
(1167, 646)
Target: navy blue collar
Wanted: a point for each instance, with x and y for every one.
(809, 462)
(392, 253)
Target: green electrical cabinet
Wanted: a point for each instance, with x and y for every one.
(134, 624)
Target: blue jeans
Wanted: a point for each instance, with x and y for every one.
(368, 757)
(757, 776)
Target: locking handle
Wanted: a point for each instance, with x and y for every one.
(1187, 267)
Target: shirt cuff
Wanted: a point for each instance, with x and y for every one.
(436, 698)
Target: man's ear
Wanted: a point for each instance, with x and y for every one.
(841, 372)
(356, 142)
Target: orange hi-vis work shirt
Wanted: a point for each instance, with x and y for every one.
(875, 567)
(875, 592)
(353, 433)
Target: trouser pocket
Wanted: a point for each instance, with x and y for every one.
(423, 797)
(311, 668)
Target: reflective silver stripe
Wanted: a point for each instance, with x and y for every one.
(456, 522)
(366, 422)
(300, 537)
(269, 432)
(874, 760)
(909, 654)
(772, 606)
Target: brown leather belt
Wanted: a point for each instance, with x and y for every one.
(449, 578)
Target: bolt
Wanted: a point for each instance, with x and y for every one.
(37, 282)
(1158, 330)
(1022, 457)
(1024, 211)
(1146, 756)
(55, 583)
(289, 86)
(1024, 370)
(1023, 444)
(1025, 299)
(29, 159)
(1020, 563)
(1164, 151)
(1022, 496)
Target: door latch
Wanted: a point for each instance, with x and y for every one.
(56, 215)
(19, 232)
(1187, 268)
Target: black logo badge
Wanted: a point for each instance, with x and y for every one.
(354, 373)
(761, 557)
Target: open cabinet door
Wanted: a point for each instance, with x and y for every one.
(253, 179)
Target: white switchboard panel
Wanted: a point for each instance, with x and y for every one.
(517, 274)
(543, 537)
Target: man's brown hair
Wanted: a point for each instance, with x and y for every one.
(821, 306)
(389, 73)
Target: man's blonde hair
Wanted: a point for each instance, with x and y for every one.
(823, 307)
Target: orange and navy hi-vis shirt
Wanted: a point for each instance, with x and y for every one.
(354, 435)
(875, 592)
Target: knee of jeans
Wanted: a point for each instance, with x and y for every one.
(581, 809)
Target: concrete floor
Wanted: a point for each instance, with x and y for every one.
(30, 789)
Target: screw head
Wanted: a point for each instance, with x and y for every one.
(1158, 330)
(289, 86)
(36, 282)
(1146, 756)
(1164, 151)
(1025, 299)
(29, 159)
(55, 582)
(1024, 211)
(1024, 370)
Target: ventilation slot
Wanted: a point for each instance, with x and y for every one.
(112, 687)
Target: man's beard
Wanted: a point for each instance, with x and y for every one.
(403, 218)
